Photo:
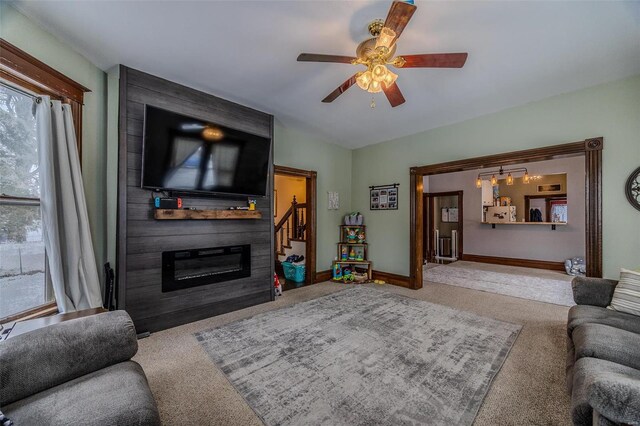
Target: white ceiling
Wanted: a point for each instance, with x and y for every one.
(246, 52)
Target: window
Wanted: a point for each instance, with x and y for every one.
(24, 288)
(22, 262)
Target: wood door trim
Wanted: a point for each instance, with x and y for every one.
(311, 178)
(590, 148)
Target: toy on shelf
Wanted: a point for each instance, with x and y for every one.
(361, 237)
(352, 254)
(352, 234)
(343, 255)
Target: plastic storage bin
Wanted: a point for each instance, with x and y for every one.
(293, 272)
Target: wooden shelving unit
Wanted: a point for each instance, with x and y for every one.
(552, 224)
(185, 214)
(354, 263)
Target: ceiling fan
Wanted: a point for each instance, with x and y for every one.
(377, 52)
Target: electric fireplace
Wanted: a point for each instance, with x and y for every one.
(195, 267)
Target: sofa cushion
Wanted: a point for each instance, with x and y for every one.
(583, 314)
(115, 395)
(626, 297)
(608, 343)
(612, 389)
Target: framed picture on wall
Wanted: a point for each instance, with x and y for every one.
(383, 197)
(550, 187)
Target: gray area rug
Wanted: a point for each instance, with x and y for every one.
(362, 356)
(541, 288)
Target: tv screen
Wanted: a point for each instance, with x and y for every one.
(185, 154)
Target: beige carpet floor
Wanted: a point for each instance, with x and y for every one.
(528, 390)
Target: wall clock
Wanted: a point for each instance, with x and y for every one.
(632, 188)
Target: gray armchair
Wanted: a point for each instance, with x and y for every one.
(77, 372)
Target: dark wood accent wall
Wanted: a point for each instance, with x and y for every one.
(142, 239)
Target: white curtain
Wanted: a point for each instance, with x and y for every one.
(67, 237)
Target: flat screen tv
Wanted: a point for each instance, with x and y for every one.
(186, 154)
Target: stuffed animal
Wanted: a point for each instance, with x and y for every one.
(276, 285)
(361, 237)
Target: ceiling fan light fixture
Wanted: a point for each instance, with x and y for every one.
(379, 72)
(364, 80)
(385, 39)
(375, 87)
(390, 78)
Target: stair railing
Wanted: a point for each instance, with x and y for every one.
(292, 226)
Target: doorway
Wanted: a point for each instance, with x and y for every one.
(590, 149)
(443, 214)
(294, 222)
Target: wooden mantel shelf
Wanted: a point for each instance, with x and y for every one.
(182, 214)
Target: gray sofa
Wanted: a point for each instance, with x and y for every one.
(603, 357)
(77, 372)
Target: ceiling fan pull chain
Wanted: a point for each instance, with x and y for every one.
(373, 103)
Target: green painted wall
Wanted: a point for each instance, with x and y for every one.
(611, 110)
(333, 164)
(28, 36)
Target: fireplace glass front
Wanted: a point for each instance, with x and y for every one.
(190, 268)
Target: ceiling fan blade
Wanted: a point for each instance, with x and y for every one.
(314, 57)
(394, 95)
(435, 60)
(341, 89)
(398, 17)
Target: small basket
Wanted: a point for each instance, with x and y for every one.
(294, 272)
(360, 277)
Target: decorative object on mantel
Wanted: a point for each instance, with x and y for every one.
(632, 188)
(177, 214)
(334, 200)
(384, 197)
(501, 172)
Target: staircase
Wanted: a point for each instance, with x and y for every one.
(292, 228)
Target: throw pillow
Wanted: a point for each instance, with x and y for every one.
(626, 296)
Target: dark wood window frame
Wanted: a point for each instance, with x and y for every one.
(24, 71)
(590, 148)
